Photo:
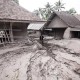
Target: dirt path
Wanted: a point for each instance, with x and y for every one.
(11, 49)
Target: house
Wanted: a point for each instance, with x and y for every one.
(34, 29)
(62, 25)
(14, 21)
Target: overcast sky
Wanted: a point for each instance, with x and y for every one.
(31, 5)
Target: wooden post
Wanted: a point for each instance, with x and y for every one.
(11, 32)
(41, 37)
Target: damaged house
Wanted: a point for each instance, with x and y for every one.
(14, 21)
(62, 25)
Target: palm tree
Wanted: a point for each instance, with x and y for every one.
(59, 6)
(48, 10)
(45, 12)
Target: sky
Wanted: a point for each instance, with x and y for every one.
(32, 5)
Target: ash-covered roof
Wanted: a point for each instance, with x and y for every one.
(77, 16)
(9, 10)
(36, 26)
(69, 19)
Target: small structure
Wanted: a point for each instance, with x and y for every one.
(34, 29)
(14, 21)
(62, 25)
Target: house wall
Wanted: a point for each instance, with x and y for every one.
(34, 33)
(38, 34)
(5, 32)
(58, 33)
(19, 30)
(75, 34)
(4, 25)
(57, 23)
(58, 28)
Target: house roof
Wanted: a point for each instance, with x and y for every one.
(9, 10)
(77, 16)
(69, 19)
(35, 26)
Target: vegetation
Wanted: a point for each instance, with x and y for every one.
(72, 11)
(17, 1)
(45, 12)
(58, 6)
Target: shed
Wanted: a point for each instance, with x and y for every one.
(34, 29)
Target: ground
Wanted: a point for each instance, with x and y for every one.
(55, 60)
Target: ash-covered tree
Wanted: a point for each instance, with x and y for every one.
(45, 12)
(72, 11)
(17, 1)
(58, 6)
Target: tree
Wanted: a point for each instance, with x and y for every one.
(48, 10)
(45, 12)
(72, 11)
(17, 1)
(59, 6)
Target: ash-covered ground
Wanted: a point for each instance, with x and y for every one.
(55, 60)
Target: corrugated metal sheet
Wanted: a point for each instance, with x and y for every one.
(35, 26)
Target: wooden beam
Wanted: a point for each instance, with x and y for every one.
(11, 32)
(21, 21)
(13, 29)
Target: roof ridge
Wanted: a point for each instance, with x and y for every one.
(69, 19)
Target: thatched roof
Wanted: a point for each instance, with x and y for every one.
(9, 10)
(69, 19)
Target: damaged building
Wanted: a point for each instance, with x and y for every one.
(62, 25)
(14, 21)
